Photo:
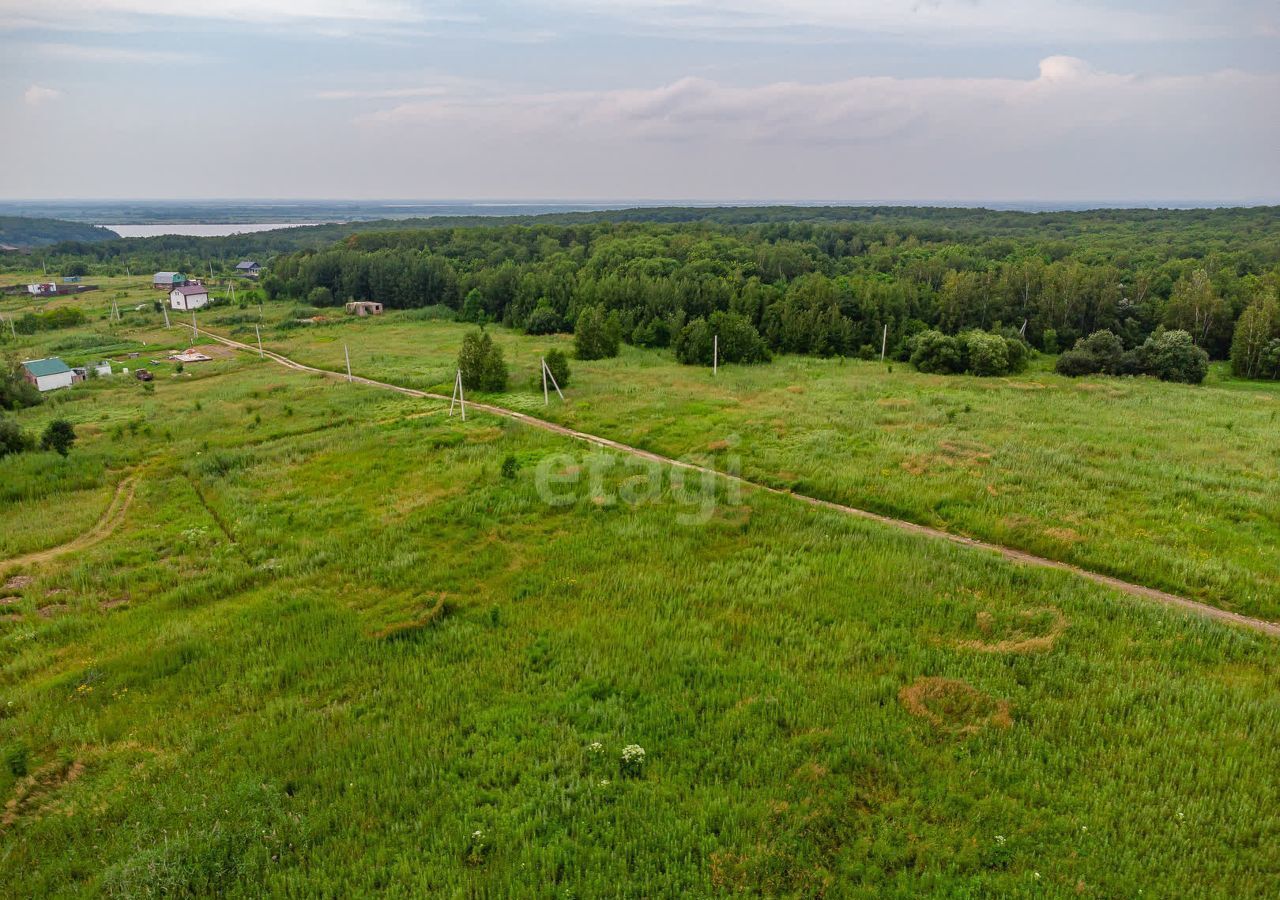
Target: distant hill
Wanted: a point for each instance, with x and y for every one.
(23, 232)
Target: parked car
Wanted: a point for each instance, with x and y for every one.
(143, 375)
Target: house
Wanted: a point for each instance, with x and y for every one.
(44, 287)
(168, 280)
(189, 296)
(48, 374)
(248, 267)
(364, 308)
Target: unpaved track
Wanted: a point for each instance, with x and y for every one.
(1030, 559)
(110, 520)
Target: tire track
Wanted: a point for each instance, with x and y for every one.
(110, 520)
(1019, 556)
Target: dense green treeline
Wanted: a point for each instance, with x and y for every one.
(825, 289)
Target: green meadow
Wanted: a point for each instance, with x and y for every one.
(1170, 486)
(340, 643)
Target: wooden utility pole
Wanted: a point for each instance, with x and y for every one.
(715, 354)
(347, 354)
(884, 342)
(194, 331)
(258, 332)
(458, 396)
(164, 308)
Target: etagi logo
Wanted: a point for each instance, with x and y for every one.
(698, 485)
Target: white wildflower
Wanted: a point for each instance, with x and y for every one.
(999, 838)
(595, 747)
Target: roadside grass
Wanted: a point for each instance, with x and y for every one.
(332, 649)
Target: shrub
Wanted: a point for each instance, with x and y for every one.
(558, 363)
(12, 438)
(1101, 351)
(653, 332)
(1075, 363)
(482, 364)
(739, 341)
(320, 296)
(15, 391)
(596, 336)
(937, 354)
(987, 354)
(59, 436)
(473, 308)
(1049, 340)
(543, 320)
(1173, 356)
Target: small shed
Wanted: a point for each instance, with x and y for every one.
(189, 296)
(48, 374)
(364, 308)
(248, 267)
(42, 288)
(168, 280)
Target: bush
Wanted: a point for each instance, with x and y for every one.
(59, 437)
(986, 354)
(937, 354)
(558, 363)
(596, 336)
(1075, 363)
(482, 364)
(321, 296)
(544, 320)
(1049, 341)
(739, 341)
(12, 438)
(1101, 351)
(1174, 356)
(473, 308)
(15, 391)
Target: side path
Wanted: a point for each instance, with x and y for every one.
(110, 519)
(1135, 590)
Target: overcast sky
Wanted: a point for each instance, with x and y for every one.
(817, 100)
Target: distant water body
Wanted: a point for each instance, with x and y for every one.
(201, 229)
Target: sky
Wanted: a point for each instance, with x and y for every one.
(710, 100)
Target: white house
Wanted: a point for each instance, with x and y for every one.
(48, 374)
(189, 296)
(44, 287)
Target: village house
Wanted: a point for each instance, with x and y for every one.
(248, 267)
(49, 374)
(168, 280)
(364, 308)
(189, 296)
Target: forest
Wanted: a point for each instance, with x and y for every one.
(827, 287)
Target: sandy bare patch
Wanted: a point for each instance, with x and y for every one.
(1031, 631)
(53, 609)
(1026, 385)
(113, 603)
(953, 706)
(10, 601)
(18, 582)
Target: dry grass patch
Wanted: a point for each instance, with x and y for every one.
(32, 795)
(954, 707)
(1029, 631)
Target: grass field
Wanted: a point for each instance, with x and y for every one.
(333, 649)
(1167, 485)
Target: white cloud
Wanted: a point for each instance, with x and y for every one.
(109, 14)
(1067, 96)
(38, 95)
(102, 54)
(984, 21)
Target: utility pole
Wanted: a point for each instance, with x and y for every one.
(884, 342)
(347, 354)
(258, 332)
(715, 354)
(164, 308)
(547, 373)
(458, 396)
(194, 331)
